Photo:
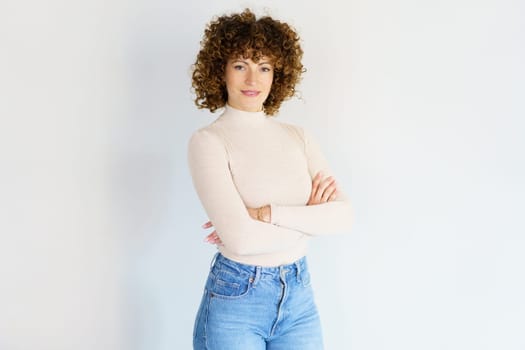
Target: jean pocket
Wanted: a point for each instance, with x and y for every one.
(230, 286)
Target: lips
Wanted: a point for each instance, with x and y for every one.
(250, 93)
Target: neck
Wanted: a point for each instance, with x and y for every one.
(241, 115)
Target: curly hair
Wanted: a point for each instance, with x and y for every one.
(242, 35)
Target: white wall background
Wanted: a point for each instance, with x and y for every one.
(418, 105)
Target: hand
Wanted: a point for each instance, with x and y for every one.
(263, 214)
(212, 238)
(324, 189)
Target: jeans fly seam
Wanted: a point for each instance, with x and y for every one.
(282, 277)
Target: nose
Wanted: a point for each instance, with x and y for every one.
(250, 78)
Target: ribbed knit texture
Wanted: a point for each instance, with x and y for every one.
(248, 159)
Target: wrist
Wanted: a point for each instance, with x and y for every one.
(264, 214)
(267, 213)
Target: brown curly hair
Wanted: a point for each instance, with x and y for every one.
(242, 35)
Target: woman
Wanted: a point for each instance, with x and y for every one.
(265, 186)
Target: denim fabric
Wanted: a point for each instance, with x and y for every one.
(247, 307)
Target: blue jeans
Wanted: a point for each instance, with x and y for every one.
(246, 307)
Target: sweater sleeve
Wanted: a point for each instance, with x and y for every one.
(326, 218)
(242, 235)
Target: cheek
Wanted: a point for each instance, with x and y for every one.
(230, 78)
(229, 83)
(269, 82)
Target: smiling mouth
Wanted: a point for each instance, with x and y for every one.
(251, 93)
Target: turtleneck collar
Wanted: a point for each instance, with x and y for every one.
(237, 114)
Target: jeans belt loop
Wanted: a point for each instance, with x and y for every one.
(213, 260)
(298, 272)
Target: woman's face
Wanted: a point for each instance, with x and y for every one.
(248, 83)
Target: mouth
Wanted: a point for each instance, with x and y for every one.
(250, 93)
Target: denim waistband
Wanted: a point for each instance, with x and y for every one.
(296, 267)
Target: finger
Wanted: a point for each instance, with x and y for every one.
(315, 184)
(316, 193)
(323, 186)
(211, 236)
(207, 225)
(216, 240)
(333, 196)
(328, 192)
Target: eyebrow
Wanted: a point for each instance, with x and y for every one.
(260, 63)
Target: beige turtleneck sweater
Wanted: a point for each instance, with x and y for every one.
(247, 159)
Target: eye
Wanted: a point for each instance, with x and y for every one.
(266, 69)
(238, 67)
